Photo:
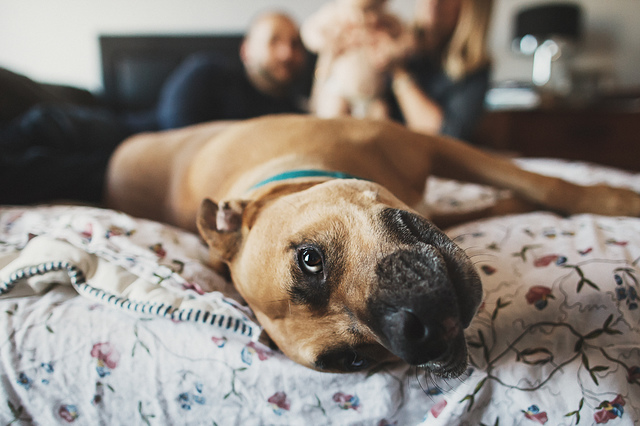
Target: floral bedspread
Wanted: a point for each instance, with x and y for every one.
(556, 341)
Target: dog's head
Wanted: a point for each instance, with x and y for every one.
(343, 276)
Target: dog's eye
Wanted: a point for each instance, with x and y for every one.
(310, 260)
(348, 361)
(355, 362)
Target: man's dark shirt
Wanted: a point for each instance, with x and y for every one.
(204, 88)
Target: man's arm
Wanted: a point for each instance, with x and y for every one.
(188, 97)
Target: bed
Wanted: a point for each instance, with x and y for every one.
(135, 67)
(111, 319)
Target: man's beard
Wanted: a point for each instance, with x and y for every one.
(270, 75)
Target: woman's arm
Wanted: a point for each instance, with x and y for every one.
(421, 113)
(455, 114)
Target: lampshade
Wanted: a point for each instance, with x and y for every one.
(548, 20)
(545, 31)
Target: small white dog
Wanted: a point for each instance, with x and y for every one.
(357, 41)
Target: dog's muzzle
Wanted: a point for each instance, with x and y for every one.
(427, 294)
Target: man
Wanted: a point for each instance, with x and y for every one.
(204, 88)
(60, 151)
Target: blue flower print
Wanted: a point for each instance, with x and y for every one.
(626, 292)
(24, 381)
(183, 398)
(187, 399)
(47, 368)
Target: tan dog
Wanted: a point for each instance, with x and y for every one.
(341, 272)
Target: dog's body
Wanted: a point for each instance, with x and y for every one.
(342, 273)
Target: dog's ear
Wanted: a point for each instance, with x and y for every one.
(221, 227)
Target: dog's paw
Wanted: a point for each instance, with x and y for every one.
(611, 201)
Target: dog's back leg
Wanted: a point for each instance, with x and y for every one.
(501, 206)
(460, 161)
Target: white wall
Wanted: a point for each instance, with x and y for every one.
(56, 40)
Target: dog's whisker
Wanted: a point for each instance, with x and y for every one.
(287, 300)
(471, 256)
(437, 386)
(466, 249)
(424, 390)
(483, 257)
(478, 262)
(279, 301)
(431, 387)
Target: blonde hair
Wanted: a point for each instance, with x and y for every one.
(466, 50)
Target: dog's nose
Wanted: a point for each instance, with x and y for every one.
(415, 310)
(413, 329)
(435, 262)
(416, 339)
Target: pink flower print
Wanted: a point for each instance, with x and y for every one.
(609, 410)
(193, 286)
(541, 262)
(115, 231)
(68, 412)
(13, 218)
(107, 356)
(347, 401)
(254, 349)
(534, 413)
(219, 341)
(633, 374)
(158, 250)
(538, 296)
(279, 403)
(262, 352)
(488, 270)
(437, 409)
(88, 232)
(586, 251)
(106, 353)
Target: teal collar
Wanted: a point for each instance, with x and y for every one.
(293, 174)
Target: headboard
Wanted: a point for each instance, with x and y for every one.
(134, 67)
